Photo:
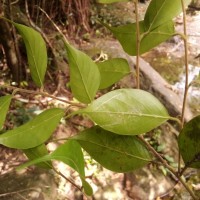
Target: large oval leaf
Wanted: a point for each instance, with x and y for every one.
(38, 152)
(126, 34)
(84, 75)
(33, 133)
(112, 71)
(36, 52)
(189, 143)
(127, 112)
(114, 152)
(71, 154)
(4, 105)
(162, 11)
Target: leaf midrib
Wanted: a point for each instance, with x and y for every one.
(116, 150)
(129, 113)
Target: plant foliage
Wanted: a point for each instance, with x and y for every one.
(119, 115)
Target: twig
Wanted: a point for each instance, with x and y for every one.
(186, 76)
(17, 192)
(186, 62)
(67, 179)
(137, 44)
(43, 94)
(54, 24)
(33, 25)
(171, 169)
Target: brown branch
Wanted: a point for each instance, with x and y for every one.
(42, 94)
(137, 45)
(164, 162)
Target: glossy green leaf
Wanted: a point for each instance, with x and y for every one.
(127, 111)
(33, 133)
(38, 152)
(71, 154)
(36, 52)
(189, 143)
(110, 1)
(114, 152)
(126, 34)
(162, 11)
(4, 105)
(84, 75)
(112, 71)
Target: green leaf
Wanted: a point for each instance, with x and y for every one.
(84, 75)
(189, 143)
(114, 152)
(71, 154)
(126, 34)
(33, 133)
(36, 52)
(157, 36)
(127, 112)
(162, 11)
(38, 152)
(4, 105)
(110, 1)
(112, 71)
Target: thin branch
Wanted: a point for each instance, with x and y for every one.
(67, 179)
(54, 24)
(17, 192)
(137, 45)
(42, 94)
(186, 63)
(171, 169)
(33, 25)
(186, 76)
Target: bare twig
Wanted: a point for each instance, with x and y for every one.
(42, 94)
(171, 169)
(67, 179)
(33, 25)
(186, 76)
(137, 45)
